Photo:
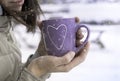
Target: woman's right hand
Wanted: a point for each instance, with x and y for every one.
(48, 64)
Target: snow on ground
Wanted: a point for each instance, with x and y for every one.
(95, 11)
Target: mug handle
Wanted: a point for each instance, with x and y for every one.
(86, 39)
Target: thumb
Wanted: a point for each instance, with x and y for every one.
(39, 23)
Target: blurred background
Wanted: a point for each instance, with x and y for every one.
(103, 19)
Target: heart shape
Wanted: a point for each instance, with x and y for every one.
(57, 35)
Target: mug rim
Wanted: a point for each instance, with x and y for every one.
(58, 19)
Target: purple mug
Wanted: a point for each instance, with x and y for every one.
(59, 36)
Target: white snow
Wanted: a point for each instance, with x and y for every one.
(95, 11)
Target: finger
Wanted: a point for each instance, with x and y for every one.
(39, 23)
(62, 68)
(65, 59)
(80, 58)
(78, 43)
(83, 51)
(77, 20)
(79, 35)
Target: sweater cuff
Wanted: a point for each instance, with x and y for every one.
(28, 76)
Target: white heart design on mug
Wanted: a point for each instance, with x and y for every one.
(61, 31)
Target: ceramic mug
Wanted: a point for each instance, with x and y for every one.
(59, 36)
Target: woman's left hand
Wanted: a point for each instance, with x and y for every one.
(81, 55)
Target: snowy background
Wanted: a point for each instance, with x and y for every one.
(101, 64)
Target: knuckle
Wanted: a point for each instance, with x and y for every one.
(66, 69)
(53, 64)
(83, 59)
(66, 59)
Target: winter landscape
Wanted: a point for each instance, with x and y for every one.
(102, 62)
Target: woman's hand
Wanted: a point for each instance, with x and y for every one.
(41, 47)
(49, 64)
